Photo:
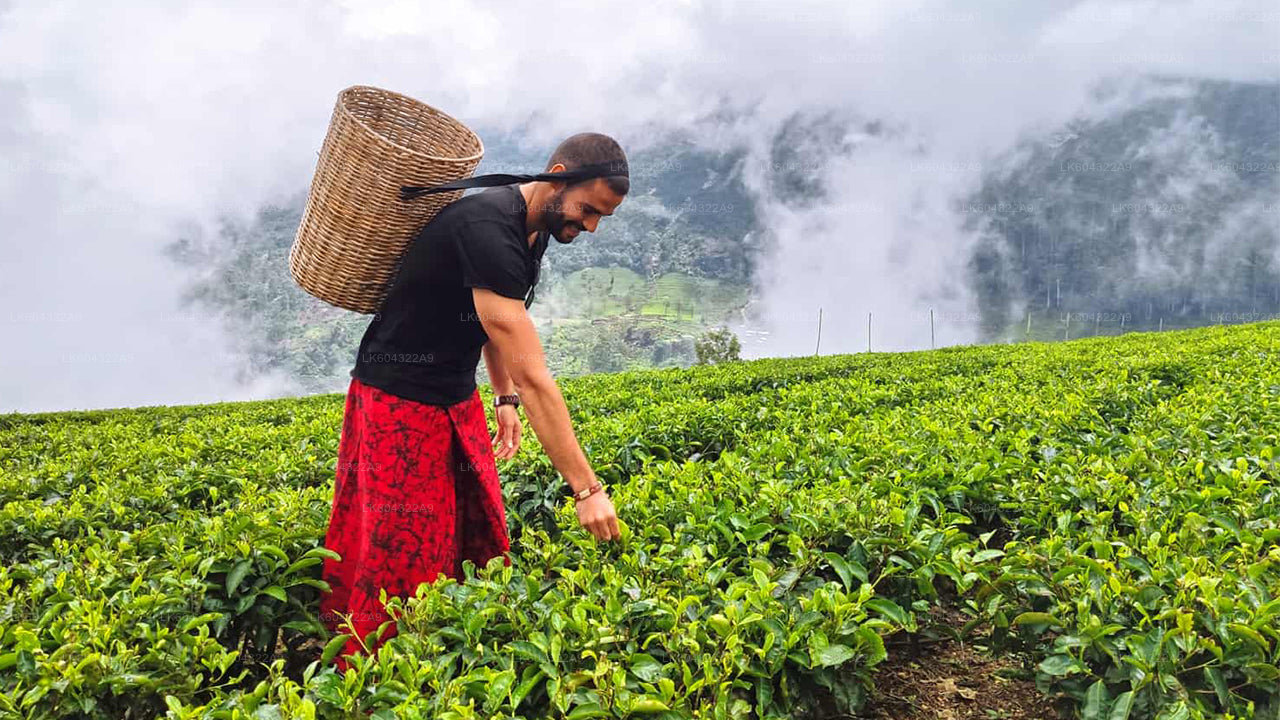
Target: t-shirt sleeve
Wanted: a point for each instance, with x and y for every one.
(490, 256)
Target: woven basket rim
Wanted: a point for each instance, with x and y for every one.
(356, 119)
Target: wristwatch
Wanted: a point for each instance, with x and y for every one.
(506, 400)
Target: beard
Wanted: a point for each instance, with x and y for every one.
(556, 223)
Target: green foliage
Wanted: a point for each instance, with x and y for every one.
(717, 346)
(1106, 505)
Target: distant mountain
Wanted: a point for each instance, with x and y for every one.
(677, 266)
(1167, 214)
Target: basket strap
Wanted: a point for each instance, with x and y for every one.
(585, 172)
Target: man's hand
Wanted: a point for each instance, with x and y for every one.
(512, 333)
(597, 516)
(507, 439)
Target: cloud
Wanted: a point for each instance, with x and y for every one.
(121, 122)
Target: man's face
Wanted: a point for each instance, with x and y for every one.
(570, 210)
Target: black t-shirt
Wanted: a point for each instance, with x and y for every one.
(425, 343)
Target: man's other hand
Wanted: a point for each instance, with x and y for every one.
(507, 439)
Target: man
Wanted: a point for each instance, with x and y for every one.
(416, 490)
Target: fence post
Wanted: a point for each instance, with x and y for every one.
(815, 348)
(933, 343)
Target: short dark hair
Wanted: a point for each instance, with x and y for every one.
(587, 148)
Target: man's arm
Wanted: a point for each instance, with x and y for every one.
(511, 331)
(499, 376)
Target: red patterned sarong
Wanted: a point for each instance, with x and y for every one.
(416, 492)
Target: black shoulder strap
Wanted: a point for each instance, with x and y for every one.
(585, 172)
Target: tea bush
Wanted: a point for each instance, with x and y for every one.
(1107, 505)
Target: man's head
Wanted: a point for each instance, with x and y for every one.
(569, 208)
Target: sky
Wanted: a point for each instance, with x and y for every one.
(122, 122)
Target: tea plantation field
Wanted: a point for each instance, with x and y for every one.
(1108, 506)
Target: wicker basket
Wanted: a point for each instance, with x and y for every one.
(355, 227)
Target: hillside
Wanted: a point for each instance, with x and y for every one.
(1159, 215)
(681, 269)
(1097, 516)
(1164, 215)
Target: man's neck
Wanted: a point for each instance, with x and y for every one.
(532, 220)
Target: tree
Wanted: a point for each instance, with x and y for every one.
(608, 353)
(717, 346)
